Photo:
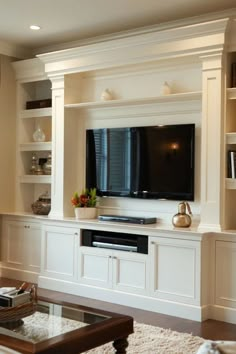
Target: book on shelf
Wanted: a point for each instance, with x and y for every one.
(232, 164)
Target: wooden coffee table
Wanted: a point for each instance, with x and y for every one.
(64, 328)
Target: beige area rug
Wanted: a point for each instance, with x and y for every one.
(148, 339)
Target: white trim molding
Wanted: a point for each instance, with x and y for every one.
(191, 40)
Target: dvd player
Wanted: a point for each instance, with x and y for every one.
(128, 219)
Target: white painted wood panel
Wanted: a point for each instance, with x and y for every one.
(211, 143)
(32, 247)
(59, 249)
(45, 146)
(14, 243)
(57, 190)
(122, 271)
(95, 267)
(36, 113)
(130, 272)
(21, 249)
(175, 270)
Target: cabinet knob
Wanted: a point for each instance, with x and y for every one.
(114, 257)
(76, 233)
(153, 242)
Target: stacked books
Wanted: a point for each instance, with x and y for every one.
(232, 164)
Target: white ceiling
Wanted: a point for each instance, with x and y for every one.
(69, 20)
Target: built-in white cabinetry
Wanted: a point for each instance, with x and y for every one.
(134, 68)
(185, 273)
(21, 248)
(175, 277)
(175, 269)
(117, 270)
(168, 279)
(32, 85)
(59, 251)
(137, 100)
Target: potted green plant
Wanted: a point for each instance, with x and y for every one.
(85, 204)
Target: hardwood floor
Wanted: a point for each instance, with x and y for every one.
(209, 329)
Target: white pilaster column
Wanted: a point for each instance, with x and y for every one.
(57, 188)
(212, 139)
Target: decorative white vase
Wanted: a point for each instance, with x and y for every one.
(106, 95)
(166, 90)
(38, 135)
(85, 213)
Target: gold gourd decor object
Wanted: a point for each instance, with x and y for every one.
(182, 219)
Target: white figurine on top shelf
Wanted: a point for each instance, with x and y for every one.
(166, 90)
(106, 95)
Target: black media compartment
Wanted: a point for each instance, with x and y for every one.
(115, 240)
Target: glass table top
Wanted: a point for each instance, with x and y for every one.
(50, 320)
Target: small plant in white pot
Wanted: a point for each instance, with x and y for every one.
(85, 204)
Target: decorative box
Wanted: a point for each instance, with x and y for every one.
(39, 103)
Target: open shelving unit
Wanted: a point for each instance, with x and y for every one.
(31, 87)
(35, 179)
(36, 146)
(186, 96)
(230, 141)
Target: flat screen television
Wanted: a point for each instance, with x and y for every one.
(151, 162)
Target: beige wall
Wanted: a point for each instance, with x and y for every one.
(7, 133)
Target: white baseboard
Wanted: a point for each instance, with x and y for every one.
(221, 313)
(186, 311)
(206, 312)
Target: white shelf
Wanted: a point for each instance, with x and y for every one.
(230, 183)
(34, 146)
(36, 113)
(188, 96)
(231, 138)
(35, 179)
(231, 93)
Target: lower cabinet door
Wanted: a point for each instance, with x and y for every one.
(59, 245)
(130, 272)
(12, 244)
(122, 271)
(21, 245)
(175, 270)
(33, 247)
(95, 267)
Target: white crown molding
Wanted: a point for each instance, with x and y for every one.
(30, 69)
(19, 52)
(231, 13)
(197, 39)
(157, 37)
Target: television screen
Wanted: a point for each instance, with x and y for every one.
(153, 162)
